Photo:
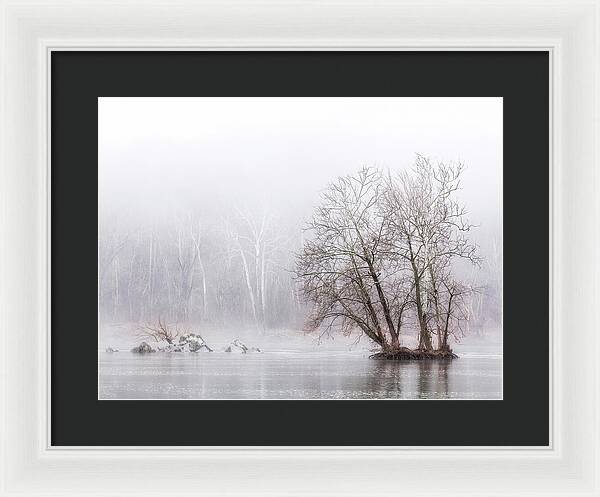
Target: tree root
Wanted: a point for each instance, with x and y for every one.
(406, 354)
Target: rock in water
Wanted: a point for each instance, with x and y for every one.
(143, 348)
(191, 342)
(238, 346)
(110, 350)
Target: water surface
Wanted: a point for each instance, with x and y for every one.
(295, 375)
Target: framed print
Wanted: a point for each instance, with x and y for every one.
(364, 252)
(234, 269)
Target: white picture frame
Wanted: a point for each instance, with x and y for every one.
(568, 30)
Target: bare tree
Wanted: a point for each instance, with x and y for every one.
(196, 235)
(186, 256)
(255, 241)
(381, 248)
(160, 332)
(342, 268)
(429, 230)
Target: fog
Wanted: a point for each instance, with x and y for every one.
(185, 184)
(159, 153)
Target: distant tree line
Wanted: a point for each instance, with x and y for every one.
(229, 271)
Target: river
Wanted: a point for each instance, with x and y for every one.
(296, 375)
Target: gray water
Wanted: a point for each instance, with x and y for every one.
(295, 375)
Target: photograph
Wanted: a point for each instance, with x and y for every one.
(300, 248)
(346, 250)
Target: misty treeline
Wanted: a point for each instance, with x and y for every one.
(223, 265)
(228, 268)
(383, 255)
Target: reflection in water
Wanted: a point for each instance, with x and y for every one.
(295, 376)
(384, 380)
(433, 378)
(443, 370)
(425, 374)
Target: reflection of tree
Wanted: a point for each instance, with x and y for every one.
(385, 379)
(424, 378)
(443, 367)
(433, 378)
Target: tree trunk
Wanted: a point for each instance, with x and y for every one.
(436, 305)
(204, 303)
(367, 302)
(395, 342)
(116, 298)
(263, 284)
(249, 286)
(384, 304)
(447, 325)
(424, 335)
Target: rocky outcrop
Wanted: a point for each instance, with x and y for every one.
(142, 348)
(195, 343)
(239, 347)
(190, 342)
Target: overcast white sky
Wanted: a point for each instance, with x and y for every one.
(280, 152)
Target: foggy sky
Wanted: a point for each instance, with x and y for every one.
(163, 154)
